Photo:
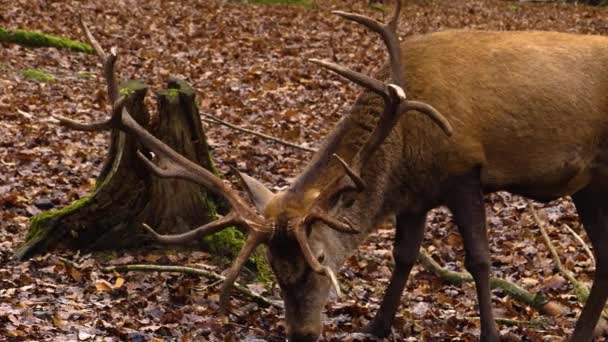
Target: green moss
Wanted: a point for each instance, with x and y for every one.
(378, 7)
(303, 3)
(264, 273)
(227, 241)
(41, 221)
(171, 93)
(126, 91)
(210, 206)
(37, 39)
(85, 75)
(230, 241)
(582, 292)
(41, 226)
(130, 87)
(37, 75)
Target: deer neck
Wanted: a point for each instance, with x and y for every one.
(403, 176)
(344, 140)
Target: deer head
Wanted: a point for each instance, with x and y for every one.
(308, 231)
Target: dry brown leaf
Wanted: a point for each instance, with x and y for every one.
(119, 282)
(76, 275)
(103, 286)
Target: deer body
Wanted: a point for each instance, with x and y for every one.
(529, 108)
(525, 112)
(530, 115)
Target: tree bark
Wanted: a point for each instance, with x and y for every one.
(126, 194)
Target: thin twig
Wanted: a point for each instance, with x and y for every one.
(550, 246)
(212, 119)
(581, 241)
(25, 114)
(580, 290)
(208, 286)
(67, 262)
(196, 271)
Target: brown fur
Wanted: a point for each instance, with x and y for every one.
(530, 115)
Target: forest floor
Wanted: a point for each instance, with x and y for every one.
(248, 65)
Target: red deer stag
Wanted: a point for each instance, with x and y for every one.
(529, 112)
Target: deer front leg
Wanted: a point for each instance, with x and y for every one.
(466, 204)
(408, 236)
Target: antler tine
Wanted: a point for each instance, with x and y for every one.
(108, 62)
(117, 102)
(344, 225)
(354, 76)
(254, 239)
(354, 176)
(171, 164)
(388, 33)
(79, 126)
(300, 235)
(429, 111)
(393, 22)
(110, 123)
(387, 121)
(96, 46)
(207, 229)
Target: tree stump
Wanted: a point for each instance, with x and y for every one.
(126, 194)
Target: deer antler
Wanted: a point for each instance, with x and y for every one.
(393, 92)
(354, 176)
(108, 61)
(169, 164)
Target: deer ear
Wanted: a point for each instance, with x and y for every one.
(258, 192)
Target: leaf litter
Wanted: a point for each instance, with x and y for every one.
(248, 65)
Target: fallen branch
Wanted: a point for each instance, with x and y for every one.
(195, 271)
(581, 291)
(537, 301)
(212, 119)
(537, 322)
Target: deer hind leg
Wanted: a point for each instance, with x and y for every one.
(593, 211)
(408, 237)
(466, 204)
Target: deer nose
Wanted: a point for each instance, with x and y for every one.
(303, 337)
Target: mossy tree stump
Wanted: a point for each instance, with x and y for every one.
(127, 194)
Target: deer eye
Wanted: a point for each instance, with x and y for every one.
(347, 199)
(321, 257)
